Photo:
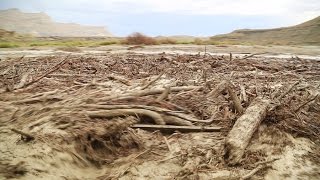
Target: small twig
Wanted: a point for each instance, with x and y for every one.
(151, 108)
(164, 95)
(148, 92)
(226, 85)
(266, 162)
(140, 154)
(204, 75)
(289, 90)
(69, 75)
(254, 171)
(255, 81)
(127, 112)
(177, 128)
(251, 55)
(153, 152)
(5, 72)
(218, 89)
(179, 108)
(153, 81)
(279, 98)
(27, 136)
(244, 94)
(22, 81)
(56, 67)
(120, 79)
(211, 56)
(235, 99)
(305, 103)
(166, 159)
(167, 143)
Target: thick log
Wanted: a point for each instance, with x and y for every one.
(242, 131)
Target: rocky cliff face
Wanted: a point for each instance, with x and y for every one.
(40, 24)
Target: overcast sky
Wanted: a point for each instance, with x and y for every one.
(173, 17)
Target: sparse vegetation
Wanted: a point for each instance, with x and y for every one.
(106, 43)
(138, 38)
(8, 45)
(281, 36)
(69, 49)
(167, 41)
(198, 41)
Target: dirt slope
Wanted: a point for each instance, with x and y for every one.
(307, 33)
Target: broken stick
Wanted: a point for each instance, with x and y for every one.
(56, 67)
(235, 99)
(288, 90)
(153, 81)
(244, 94)
(164, 95)
(226, 85)
(27, 136)
(22, 81)
(242, 131)
(251, 55)
(125, 112)
(151, 108)
(254, 171)
(176, 121)
(118, 78)
(218, 89)
(305, 103)
(172, 128)
(148, 92)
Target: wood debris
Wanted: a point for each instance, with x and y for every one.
(107, 110)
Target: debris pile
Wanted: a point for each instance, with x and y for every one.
(94, 106)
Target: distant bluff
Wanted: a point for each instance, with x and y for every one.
(41, 25)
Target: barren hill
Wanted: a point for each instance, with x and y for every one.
(307, 33)
(40, 24)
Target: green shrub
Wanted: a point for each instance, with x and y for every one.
(38, 44)
(106, 43)
(8, 45)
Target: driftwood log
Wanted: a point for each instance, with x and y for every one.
(242, 131)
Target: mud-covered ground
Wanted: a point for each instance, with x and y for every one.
(72, 107)
(309, 52)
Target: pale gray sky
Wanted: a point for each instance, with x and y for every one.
(171, 17)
